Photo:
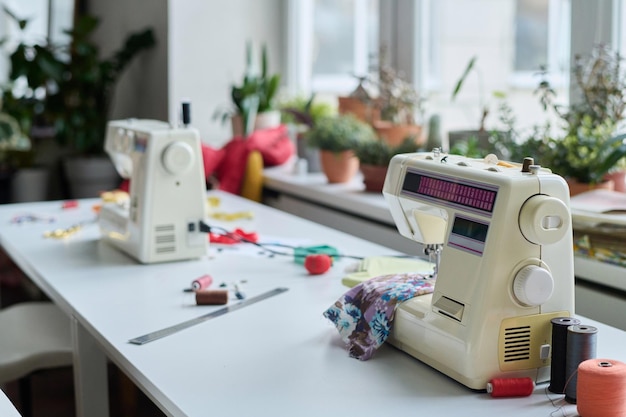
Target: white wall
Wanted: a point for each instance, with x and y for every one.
(207, 41)
(200, 53)
(141, 91)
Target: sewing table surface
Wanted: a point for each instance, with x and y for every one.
(277, 357)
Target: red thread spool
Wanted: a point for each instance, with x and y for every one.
(601, 388)
(201, 283)
(510, 387)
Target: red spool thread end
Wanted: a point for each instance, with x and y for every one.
(510, 387)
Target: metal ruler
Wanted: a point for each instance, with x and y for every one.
(142, 340)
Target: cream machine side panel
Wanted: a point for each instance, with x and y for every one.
(505, 264)
(167, 196)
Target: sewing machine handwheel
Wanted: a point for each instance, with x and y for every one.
(544, 220)
(533, 285)
(177, 157)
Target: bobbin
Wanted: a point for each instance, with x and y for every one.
(601, 389)
(581, 345)
(510, 387)
(559, 352)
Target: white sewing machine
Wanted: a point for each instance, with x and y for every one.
(167, 197)
(505, 267)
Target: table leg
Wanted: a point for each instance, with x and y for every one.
(90, 374)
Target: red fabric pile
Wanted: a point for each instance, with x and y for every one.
(228, 164)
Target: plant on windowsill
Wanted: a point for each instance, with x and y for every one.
(591, 147)
(303, 113)
(374, 157)
(336, 137)
(480, 140)
(399, 104)
(253, 101)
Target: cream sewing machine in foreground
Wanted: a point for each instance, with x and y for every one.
(167, 197)
(503, 239)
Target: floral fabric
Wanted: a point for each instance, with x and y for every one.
(364, 315)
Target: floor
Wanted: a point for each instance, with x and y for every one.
(53, 390)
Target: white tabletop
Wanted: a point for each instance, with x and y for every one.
(7, 409)
(278, 357)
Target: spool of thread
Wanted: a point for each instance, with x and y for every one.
(211, 297)
(581, 345)
(510, 387)
(201, 283)
(559, 351)
(601, 390)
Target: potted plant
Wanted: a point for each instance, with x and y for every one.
(253, 101)
(399, 103)
(481, 137)
(586, 156)
(590, 147)
(302, 114)
(336, 137)
(74, 89)
(359, 103)
(374, 157)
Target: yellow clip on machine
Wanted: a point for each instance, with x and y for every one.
(503, 239)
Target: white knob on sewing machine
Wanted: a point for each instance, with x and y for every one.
(533, 285)
(178, 157)
(544, 220)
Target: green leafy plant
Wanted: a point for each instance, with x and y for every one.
(398, 100)
(379, 152)
(484, 106)
(589, 153)
(15, 147)
(339, 133)
(256, 94)
(305, 111)
(590, 147)
(69, 87)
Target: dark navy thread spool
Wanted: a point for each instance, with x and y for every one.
(581, 345)
(559, 351)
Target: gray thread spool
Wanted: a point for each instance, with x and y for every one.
(559, 351)
(581, 345)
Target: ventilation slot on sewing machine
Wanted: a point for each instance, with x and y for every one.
(165, 238)
(517, 344)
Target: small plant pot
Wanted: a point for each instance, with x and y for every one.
(619, 180)
(374, 177)
(362, 111)
(394, 134)
(339, 167)
(576, 187)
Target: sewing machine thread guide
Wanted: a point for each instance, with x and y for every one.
(142, 340)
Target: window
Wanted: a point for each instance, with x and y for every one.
(46, 19)
(332, 42)
(433, 40)
(510, 39)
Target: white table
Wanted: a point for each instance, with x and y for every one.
(7, 409)
(278, 357)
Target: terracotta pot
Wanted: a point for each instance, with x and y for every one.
(363, 111)
(339, 166)
(619, 179)
(394, 134)
(576, 187)
(374, 177)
